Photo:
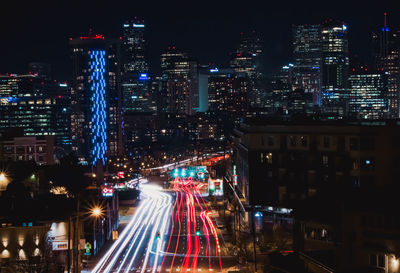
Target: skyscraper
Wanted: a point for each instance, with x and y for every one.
(137, 96)
(386, 44)
(33, 106)
(180, 81)
(96, 120)
(335, 69)
(307, 53)
(367, 95)
(227, 93)
(247, 59)
(281, 86)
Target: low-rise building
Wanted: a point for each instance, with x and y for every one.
(38, 149)
(279, 162)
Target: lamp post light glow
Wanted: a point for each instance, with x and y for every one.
(2, 177)
(96, 213)
(3, 181)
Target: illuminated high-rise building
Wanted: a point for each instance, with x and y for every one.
(335, 70)
(227, 92)
(281, 86)
(386, 46)
(137, 96)
(367, 98)
(134, 47)
(33, 106)
(247, 59)
(180, 81)
(96, 120)
(307, 53)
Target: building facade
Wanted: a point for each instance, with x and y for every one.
(335, 69)
(180, 81)
(247, 59)
(307, 53)
(137, 95)
(279, 162)
(386, 46)
(38, 149)
(33, 106)
(367, 99)
(96, 99)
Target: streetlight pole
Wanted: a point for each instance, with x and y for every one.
(254, 239)
(94, 236)
(96, 213)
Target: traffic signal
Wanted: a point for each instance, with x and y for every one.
(198, 232)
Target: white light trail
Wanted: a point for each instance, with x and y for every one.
(152, 215)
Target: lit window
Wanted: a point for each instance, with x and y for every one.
(269, 158)
(325, 160)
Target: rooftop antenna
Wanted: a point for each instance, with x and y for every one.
(385, 14)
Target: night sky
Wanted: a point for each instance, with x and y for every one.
(209, 30)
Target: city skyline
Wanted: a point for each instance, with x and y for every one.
(209, 35)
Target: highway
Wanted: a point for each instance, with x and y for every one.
(137, 249)
(171, 231)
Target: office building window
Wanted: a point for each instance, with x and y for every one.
(269, 158)
(355, 164)
(367, 143)
(377, 260)
(270, 141)
(292, 141)
(325, 160)
(327, 141)
(354, 144)
(303, 141)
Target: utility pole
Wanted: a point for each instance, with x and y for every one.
(254, 238)
(77, 240)
(69, 246)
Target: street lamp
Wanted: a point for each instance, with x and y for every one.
(2, 176)
(96, 213)
(3, 181)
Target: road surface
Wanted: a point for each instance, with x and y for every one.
(171, 231)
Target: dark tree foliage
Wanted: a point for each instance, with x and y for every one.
(18, 171)
(68, 174)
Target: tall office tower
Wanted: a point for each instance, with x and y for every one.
(247, 59)
(386, 44)
(227, 92)
(96, 121)
(307, 55)
(367, 94)
(335, 70)
(33, 106)
(281, 86)
(136, 91)
(180, 81)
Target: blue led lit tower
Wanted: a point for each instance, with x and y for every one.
(96, 114)
(98, 106)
